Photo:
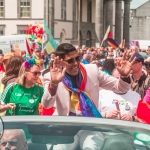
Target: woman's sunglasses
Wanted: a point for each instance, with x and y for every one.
(36, 73)
(147, 65)
(72, 60)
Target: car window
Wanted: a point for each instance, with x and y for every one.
(47, 136)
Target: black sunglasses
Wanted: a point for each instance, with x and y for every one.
(36, 73)
(72, 60)
(147, 65)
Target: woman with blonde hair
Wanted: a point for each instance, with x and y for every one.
(25, 94)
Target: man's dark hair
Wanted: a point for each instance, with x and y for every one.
(101, 56)
(64, 49)
(109, 65)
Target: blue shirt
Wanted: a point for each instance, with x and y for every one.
(84, 61)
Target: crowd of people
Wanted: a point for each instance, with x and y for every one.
(72, 81)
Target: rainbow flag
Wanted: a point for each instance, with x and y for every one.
(112, 43)
(48, 41)
(35, 56)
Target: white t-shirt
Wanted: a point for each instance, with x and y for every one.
(127, 102)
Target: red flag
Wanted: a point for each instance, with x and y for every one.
(11, 48)
(110, 35)
(28, 48)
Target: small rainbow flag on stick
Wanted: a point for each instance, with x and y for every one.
(35, 55)
(122, 44)
(112, 43)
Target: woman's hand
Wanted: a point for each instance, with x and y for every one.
(11, 106)
(126, 117)
(124, 66)
(112, 114)
(57, 71)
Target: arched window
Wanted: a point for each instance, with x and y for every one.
(63, 9)
(88, 39)
(89, 11)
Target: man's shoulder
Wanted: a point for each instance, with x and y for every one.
(91, 67)
(45, 74)
(131, 92)
(91, 70)
(45, 71)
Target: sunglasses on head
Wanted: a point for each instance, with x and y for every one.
(72, 60)
(36, 73)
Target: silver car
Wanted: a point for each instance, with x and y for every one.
(75, 133)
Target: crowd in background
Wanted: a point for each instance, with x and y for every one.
(25, 74)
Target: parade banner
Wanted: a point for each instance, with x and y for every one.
(142, 44)
(15, 43)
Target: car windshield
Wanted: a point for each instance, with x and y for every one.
(69, 132)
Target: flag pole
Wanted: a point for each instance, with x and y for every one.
(79, 23)
(106, 35)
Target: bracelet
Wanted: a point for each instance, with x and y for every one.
(106, 114)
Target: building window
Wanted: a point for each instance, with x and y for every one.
(63, 9)
(1, 8)
(25, 8)
(62, 36)
(2, 28)
(20, 29)
(88, 39)
(89, 11)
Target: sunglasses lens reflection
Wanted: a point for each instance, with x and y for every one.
(74, 59)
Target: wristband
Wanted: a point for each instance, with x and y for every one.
(106, 114)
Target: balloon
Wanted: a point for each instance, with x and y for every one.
(39, 40)
(40, 31)
(39, 43)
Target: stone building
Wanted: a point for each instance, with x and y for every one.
(140, 21)
(66, 17)
(16, 14)
(94, 15)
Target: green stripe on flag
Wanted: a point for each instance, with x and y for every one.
(51, 45)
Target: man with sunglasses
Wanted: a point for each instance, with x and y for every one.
(74, 88)
(140, 81)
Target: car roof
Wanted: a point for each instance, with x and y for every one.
(83, 121)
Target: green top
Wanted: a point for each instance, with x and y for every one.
(25, 99)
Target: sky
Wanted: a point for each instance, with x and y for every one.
(137, 3)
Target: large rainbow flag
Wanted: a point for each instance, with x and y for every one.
(48, 41)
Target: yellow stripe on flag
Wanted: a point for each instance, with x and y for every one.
(49, 48)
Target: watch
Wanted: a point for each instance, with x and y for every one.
(133, 118)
